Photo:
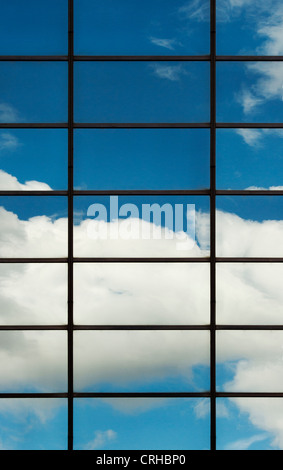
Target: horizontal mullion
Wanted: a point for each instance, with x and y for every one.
(141, 260)
(249, 327)
(141, 125)
(249, 125)
(141, 58)
(249, 394)
(33, 260)
(141, 327)
(33, 58)
(33, 395)
(32, 327)
(142, 192)
(248, 58)
(33, 193)
(139, 394)
(249, 192)
(248, 260)
(33, 125)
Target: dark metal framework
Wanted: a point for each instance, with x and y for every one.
(212, 192)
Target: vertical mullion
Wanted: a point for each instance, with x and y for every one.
(70, 219)
(212, 223)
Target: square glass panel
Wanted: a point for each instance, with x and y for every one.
(249, 423)
(249, 226)
(33, 159)
(33, 424)
(249, 361)
(249, 159)
(141, 226)
(33, 92)
(155, 294)
(249, 293)
(141, 159)
(141, 424)
(25, 294)
(249, 92)
(141, 361)
(143, 27)
(33, 226)
(249, 27)
(33, 361)
(150, 92)
(33, 27)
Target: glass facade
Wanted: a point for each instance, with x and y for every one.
(141, 232)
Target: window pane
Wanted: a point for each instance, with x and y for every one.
(142, 158)
(249, 92)
(130, 294)
(33, 361)
(145, 27)
(25, 294)
(249, 226)
(33, 424)
(249, 361)
(249, 159)
(141, 226)
(145, 423)
(34, 28)
(249, 424)
(33, 92)
(33, 159)
(155, 361)
(33, 226)
(141, 92)
(249, 293)
(249, 27)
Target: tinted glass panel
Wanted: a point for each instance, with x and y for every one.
(249, 27)
(249, 92)
(249, 361)
(153, 294)
(33, 361)
(33, 92)
(142, 158)
(249, 226)
(33, 226)
(33, 159)
(141, 226)
(249, 159)
(145, 423)
(141, 92)
(33, 424)
(145, 27)
(25, 293)
(249, 293)
(249, 423)
(34, 27)
(108, 361)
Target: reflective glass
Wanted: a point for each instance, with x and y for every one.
(249, 423)
(33, 92)
(25, 293)
(249, 293)
(141, 92)
(156, 294)
(141, 158)
(249, 92)
(33, 159)
(146, 226)
(249, 27)
(249, 361)
(141, 423)
(249, 159)
(249, 226)
(141, 361)
(33, 424)
(32, 226)
(33, 27)
(143, 27)
(33, 361)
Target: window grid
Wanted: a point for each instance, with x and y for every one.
(212, 192)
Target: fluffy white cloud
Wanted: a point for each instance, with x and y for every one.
(101, 439)
(9, 182)
(8, 141)
(151, 293)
